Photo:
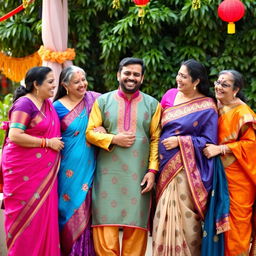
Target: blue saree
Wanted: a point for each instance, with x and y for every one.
(75, 175)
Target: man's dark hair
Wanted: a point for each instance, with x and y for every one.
(129, 61)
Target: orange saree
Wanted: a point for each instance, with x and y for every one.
(237, 125)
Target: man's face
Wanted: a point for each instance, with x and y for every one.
(130, 78)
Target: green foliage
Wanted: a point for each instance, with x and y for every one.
(5, 105)
(20, 35)
(170, 32)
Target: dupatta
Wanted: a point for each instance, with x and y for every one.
(29, 173)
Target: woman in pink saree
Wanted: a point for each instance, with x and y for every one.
(30, 163)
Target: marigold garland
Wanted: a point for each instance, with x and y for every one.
(16, 68)
(59, 57)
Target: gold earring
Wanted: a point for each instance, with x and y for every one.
(234, 96)
(37, 92)
(67, 91)
(194, 87)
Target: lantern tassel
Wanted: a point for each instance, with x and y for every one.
(141, 12)
(231, 28)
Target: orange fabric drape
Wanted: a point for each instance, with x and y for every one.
(16, 68)
(237, 126)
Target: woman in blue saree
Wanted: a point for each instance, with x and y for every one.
(189, 122)
(73, 105)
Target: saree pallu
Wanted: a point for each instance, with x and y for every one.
(30, 189)
(216, 218)
(187, 174)
(237, 125)
(75, 180)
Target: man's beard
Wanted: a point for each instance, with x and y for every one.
(130, 91)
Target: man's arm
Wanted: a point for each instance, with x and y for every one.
(155, 131)
(105, 140)
(102, 140)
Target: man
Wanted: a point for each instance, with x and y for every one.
(127, 162)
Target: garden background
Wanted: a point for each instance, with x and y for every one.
(170, 32)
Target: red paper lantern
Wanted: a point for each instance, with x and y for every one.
(231, 11)
(141, 4)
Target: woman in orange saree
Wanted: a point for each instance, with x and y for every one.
(237, 146)
(30, 164)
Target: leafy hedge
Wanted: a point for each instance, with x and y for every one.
(170, 32)
(5, 105)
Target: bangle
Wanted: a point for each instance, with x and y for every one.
(43, 143)
(153, 171)
(222, 149)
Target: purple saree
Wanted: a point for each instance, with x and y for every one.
(185, 175)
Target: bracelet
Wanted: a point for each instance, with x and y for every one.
(47, 142)
(153, 171)
(43, 143)
(222, 149)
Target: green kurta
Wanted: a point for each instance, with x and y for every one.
(117, 198)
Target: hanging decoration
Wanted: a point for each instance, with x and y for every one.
(24, 5)
(116, 4)
(196, 4)
(59, 57)
(141, 4)
(16, 68)
(231, 11)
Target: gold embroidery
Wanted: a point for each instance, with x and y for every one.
(195, 124)
(36, 195)
(216, 239)
(188, 108)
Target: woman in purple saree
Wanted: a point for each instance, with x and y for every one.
(73, 105)
(30, 162)
(189, 121)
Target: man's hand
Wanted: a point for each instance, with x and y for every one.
(149, 180)
(125, 139)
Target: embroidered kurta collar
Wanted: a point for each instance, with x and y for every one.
(121, 94)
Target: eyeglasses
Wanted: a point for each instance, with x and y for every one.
(223, 85)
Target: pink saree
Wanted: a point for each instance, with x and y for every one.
(30, 184)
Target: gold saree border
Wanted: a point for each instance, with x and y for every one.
(197, 188)
(187, 108)
(171, 169)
